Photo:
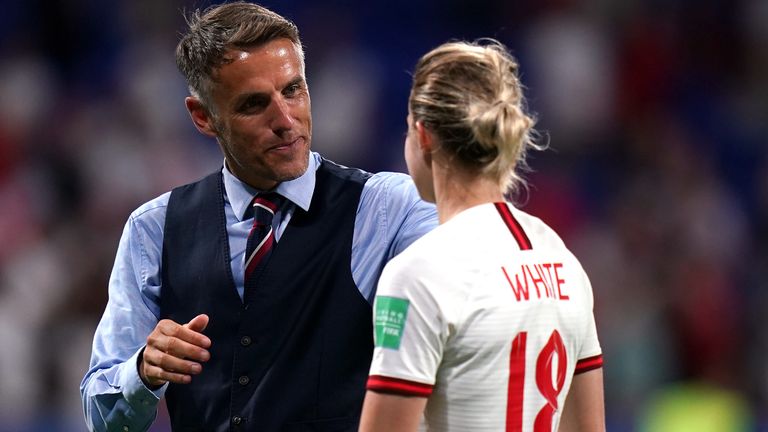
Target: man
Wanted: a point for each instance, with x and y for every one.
(249, 313)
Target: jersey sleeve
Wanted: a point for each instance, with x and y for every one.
(410, 331)
(591, 355)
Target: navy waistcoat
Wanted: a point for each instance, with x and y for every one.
(294, 354)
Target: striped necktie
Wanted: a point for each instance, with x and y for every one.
(262, 237)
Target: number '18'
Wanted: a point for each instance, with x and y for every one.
(549, 384)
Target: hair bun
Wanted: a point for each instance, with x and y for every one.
(470, 97)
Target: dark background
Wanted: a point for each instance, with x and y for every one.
(656, 113)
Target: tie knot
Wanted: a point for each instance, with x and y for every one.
(261, 237)
(265, 205)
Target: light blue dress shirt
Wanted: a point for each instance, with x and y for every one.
(390, 216)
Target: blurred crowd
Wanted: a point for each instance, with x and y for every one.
(656, 175)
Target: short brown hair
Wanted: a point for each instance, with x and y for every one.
(221, 28)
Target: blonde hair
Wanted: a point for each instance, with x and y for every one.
(469, 95)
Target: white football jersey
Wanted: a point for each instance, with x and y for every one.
(489, 316)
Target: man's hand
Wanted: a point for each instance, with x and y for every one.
(174, 352)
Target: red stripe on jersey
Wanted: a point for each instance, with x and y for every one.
(589, 363)
(399, 386)
(514, 226)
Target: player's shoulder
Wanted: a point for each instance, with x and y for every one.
(426, 271)
(445, 244)
(538, 231)
(543, 237)
(426, 254)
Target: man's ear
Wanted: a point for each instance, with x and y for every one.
(200, 116)
(426, 142)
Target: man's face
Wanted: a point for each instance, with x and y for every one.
(261, 114)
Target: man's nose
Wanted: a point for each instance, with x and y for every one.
(281, 118)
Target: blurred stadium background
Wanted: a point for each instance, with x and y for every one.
(657, 175)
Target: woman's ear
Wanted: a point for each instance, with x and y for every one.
(426, 141)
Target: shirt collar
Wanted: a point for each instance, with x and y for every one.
(299, 191)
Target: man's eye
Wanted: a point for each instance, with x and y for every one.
(291, 90)
(251, 104)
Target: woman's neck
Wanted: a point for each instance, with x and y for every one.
(457, 190)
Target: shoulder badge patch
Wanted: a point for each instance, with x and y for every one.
(389, 321)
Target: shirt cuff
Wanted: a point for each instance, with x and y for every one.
(135, 392)
(385, 384)
(589, 363)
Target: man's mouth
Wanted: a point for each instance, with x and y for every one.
(287, 145)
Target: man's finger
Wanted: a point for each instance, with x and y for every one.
(185, 350)
(157, 375)
(198, 323)
(170, 363)
(174, 330)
